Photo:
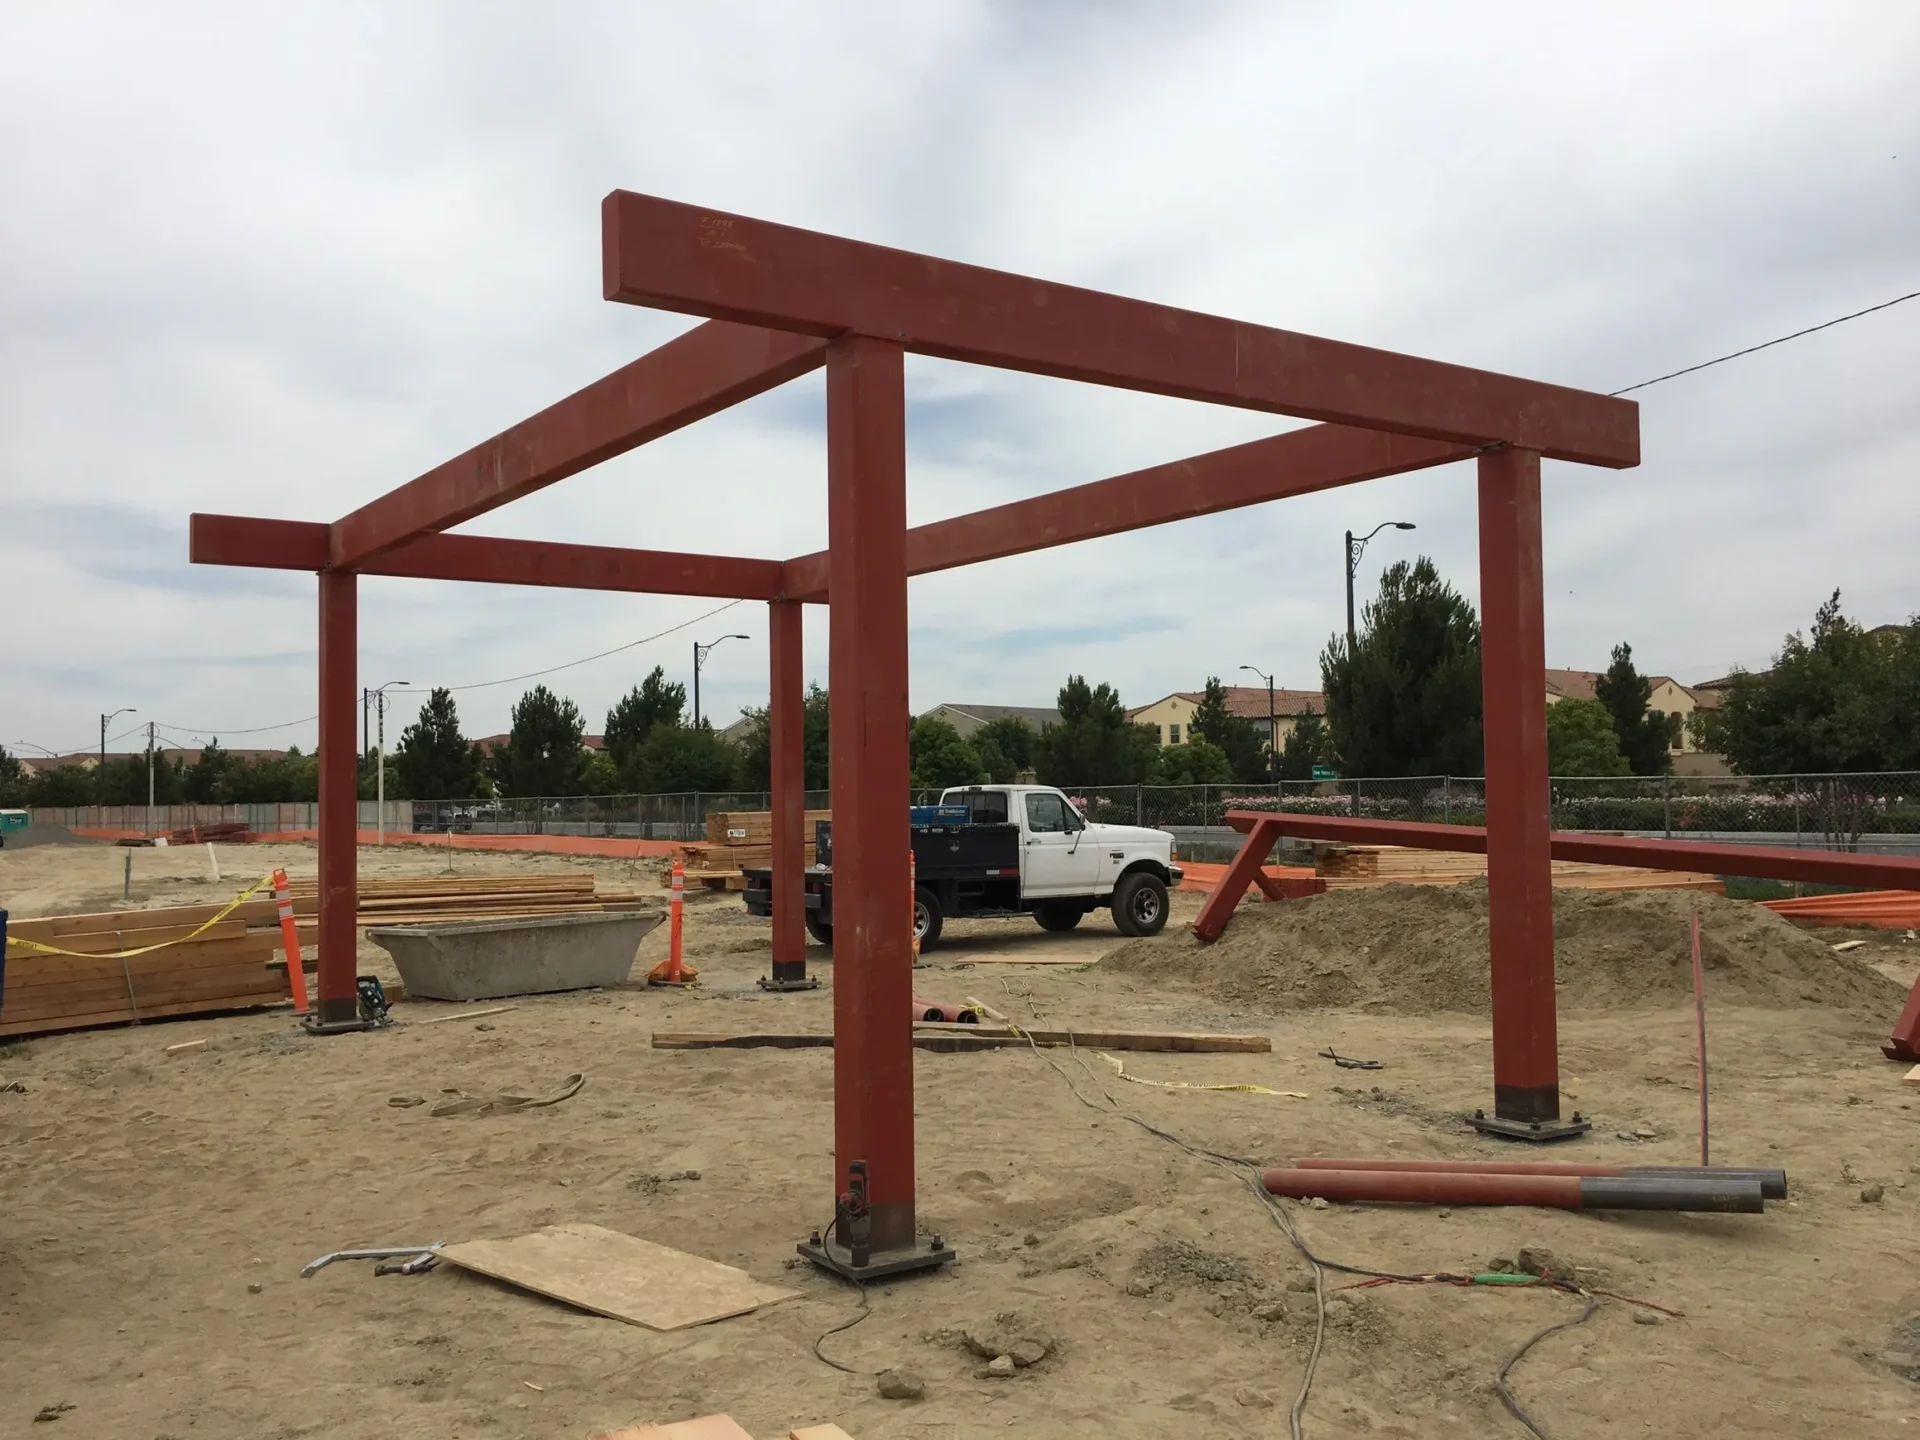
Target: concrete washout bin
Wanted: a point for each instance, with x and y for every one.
(486, 959)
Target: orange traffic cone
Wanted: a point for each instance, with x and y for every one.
(670, 971)
(290, 939)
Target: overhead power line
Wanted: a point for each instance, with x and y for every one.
(1769, 344)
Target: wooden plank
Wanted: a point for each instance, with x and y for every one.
(980, 1037)
(92, 996)
(51, 928)
(25, 967)
(95, 942)
(818, 1432)
(618, 1276)
(122, 1016)
(707, 1427)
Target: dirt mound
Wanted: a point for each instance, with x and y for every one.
(1413, 949)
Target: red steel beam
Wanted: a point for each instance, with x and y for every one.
(1513, 687)
(786, 724)
(690, 377)
(339, 801)
(867, 657)
(1692, 857)
(729, 267)
(485, 559)
(1299, 462)
(1262, 833)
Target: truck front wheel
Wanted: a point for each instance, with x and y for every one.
(1058, 914)
(1140, 904)
(820, 930)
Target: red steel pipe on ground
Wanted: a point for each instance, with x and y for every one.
(1773, 1183)
(338, 1003)
(1556, 1192)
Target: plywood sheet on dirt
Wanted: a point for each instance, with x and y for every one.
(618, 1276)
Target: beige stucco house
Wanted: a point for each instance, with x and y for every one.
(1172, 715)
(1670, 698)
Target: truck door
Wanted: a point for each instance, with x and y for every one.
(1054, 858)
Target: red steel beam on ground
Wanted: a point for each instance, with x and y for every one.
(729, 267)
(1692, 857)
(786, 725)
(688, 378)
(1513, 686)
(872, 933)
(1262, 832)
(339, 801)
(1299, 462)
(485, 559)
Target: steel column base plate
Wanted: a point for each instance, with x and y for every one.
(1538, 1132)
(929, 1253)
(314, 1024)
(780, 986)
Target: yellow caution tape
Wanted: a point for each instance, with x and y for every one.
(233, 905)
(1121, 1071)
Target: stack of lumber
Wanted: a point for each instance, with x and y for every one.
(226, 967)
(1352, 867)
(738, 840)
(414, 899)
(227, 832)
(1871, 909)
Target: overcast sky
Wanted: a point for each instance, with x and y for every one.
(276, 260)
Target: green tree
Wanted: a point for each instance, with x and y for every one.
(599, 776)
(938, 757)
(209, 781)
(755, 752)
(652, 702)
(14, 781)
(1233, 734)
(678, 758)
(434, 761)
(1094, 743)
(1839, 700)
(1581, 740)
(1305, 747)
(1643, 733)
(62, 785)
(1198, 762)
(1012, 736)
(543, 753)
(1407, 700)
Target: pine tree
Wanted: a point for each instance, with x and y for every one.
(433, 760)
(1094, 743)
(1642, 733)
(1233, 734)
(543, 754)
(652, 702)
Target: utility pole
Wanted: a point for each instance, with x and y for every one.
(380, 764)
(366, 740)
(150, 728)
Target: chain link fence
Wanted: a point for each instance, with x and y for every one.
(1869, 812)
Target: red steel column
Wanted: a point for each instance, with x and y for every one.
(1513, 685)
(867, 653)
(786, 724)
(339, 798)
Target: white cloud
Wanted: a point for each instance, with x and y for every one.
(277, 261)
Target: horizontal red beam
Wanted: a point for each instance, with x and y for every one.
(1694, 857)
(484, 559)
(1299, 462)
(688, 378)
(705, 262)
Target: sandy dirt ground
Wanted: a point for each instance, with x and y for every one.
(155, 1211)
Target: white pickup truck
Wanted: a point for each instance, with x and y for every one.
(992, 850)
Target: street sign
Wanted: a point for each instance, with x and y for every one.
(1322, 772)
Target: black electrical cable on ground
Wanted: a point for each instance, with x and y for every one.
(865, 1310)
(1500, 1375)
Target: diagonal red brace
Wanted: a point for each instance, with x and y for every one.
(1245, 870)
(1905, 1042)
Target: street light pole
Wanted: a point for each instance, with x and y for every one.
(380, 764)
(1355, 548)
(1273, 740)
(700, 653)
(100, 775)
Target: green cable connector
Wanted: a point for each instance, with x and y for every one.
(1501, 1277)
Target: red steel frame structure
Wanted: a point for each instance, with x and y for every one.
(778, 302)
